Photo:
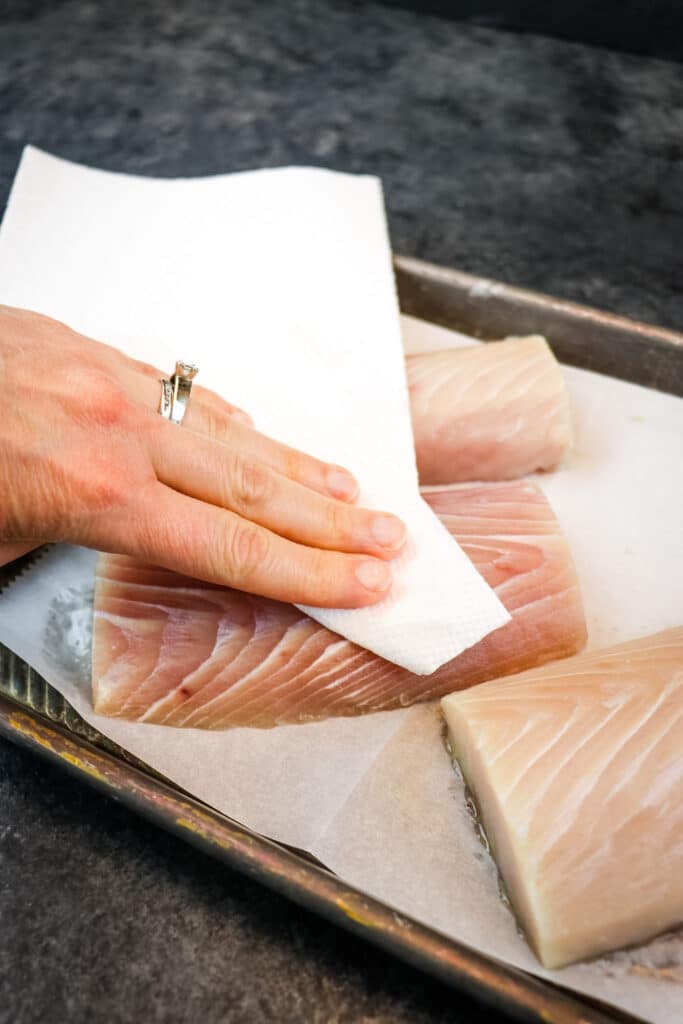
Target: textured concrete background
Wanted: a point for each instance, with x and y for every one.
(540, 162)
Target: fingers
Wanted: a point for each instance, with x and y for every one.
(216, 473)
(210, 415)
(323, 477)
(189, 536)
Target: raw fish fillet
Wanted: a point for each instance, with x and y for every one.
(181, 652)
(490, 412)
(577, 769)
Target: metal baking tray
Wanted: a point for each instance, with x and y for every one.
(35, 716)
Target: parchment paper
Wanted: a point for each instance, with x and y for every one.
(376, 798)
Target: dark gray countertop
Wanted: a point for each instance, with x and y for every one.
(540, 162)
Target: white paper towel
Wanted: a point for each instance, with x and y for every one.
(278, 284)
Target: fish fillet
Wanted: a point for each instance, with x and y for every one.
(177, 651)
(490, 412)
(577, 769)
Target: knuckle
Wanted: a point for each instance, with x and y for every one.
(247, 551)
(294, 464)
(327, 570)
(109, 489)
(98, 398)
(114, 480)
(340, 523)
(252, 483)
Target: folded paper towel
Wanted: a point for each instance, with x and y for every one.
(278, 284)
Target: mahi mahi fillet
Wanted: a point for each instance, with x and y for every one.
(490, 412)
(181, 652)
(577, 770)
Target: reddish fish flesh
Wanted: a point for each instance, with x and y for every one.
(490, 412)
(181, 652)
(577, 769)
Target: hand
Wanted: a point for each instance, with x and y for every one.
(85, 458)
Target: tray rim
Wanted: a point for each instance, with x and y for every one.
(579, 335)
(507, 989)
(473, 283)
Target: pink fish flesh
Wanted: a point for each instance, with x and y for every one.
(180, 652)
(490, 412)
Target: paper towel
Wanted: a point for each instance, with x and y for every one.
(278, 284)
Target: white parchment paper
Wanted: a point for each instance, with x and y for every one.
(376, 798)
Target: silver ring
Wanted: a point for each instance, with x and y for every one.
(166, 398)
(175, 393)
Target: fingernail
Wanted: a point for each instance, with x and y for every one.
(388, 531)
(341, 484)
(373, 575)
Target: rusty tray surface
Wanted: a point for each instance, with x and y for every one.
(36, 716)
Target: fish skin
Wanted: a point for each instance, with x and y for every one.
(490, 412)
(577, 771)
(176, 651)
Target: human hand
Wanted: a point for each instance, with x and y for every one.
(85, 458)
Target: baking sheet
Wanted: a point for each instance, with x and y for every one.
(375, 798)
